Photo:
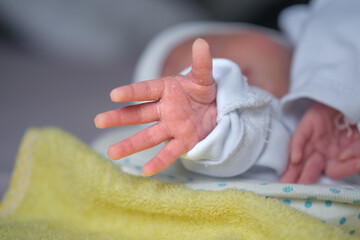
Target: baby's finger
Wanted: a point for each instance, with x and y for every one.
(298, 142)
(141, 91)
(142, 140)
(291, 173)
(201, 63)
(168, 154)
(339, 170)
(130, 115)
(351, 151)
(308, 151)
(313, 168)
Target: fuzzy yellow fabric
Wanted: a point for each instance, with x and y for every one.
(61, 189)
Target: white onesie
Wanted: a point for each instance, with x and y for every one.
(325, 68)
(326, 61)
(253, 127)
(249, 129)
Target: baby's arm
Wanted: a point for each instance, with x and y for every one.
(318, 146)
(325, 68)
(184, 107)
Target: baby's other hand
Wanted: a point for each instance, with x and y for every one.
(184, 107)
(319, 146)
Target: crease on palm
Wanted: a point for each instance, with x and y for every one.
(183, 106)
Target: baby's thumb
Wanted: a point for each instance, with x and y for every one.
(201, 62)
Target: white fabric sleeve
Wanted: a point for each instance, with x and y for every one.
(292, 21)
(326, 62)
(242, 129)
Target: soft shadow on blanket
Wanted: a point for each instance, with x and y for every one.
(61, 189)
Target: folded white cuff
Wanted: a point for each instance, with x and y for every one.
(245, 115)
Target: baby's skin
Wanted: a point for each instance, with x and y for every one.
(318, 146)
(185, 109)
(264, 60)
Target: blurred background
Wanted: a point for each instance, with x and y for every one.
(59, 59)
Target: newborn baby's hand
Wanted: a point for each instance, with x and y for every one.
(184, 107)
(318, 146)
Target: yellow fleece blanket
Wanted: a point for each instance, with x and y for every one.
(61, 189)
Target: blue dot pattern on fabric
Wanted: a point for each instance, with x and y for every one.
(334, 190)
(328, 203)
(138, 167)
(222, 184)
(127, 160)
(308, 204)
(288, 189)
(190, 179)
(342, 221)
(287, 201)
(352, 232)
(311, 198)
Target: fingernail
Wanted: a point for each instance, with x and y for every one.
(146, 172)
(116, 95)
(348, 153)
(97, 121)
(113, 153)
(113, 95)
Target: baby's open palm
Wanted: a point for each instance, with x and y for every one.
(183, 106)
(320, 146)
